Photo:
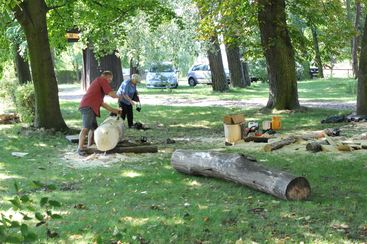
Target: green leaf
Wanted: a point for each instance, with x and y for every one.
(52, 187)
(39, 216)
(24, 229)
(56, 216)
(14, 224)
(13, 239)
(43, 201)
(25, 198)
(16, 202)
(38, 183)
(54, 203)
(26, 217)
(16, 187)
(30, 237)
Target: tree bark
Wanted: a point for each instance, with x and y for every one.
(246, 73)
(22, 67)
(362, 75)
(134, 67)
(92, 68)
(279, 55)
(219, 81)
(31, 14)
(356, 39)
(279, 144)
(112, 62)
(243, 170)
(234, 65)
(317, 51)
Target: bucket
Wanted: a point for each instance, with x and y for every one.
(232, 133)
(266, 125)
(275, 122)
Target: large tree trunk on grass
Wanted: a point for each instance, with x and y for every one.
(22, 67)
(31, 14)
(279, 55)
(234, 65)
(356, 38)
(362, 75)
(243, 170)
(219, 81)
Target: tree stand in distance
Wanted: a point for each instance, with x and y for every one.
(243, 170)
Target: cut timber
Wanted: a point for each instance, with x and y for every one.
(329, 148)
(279, 144)
(313, 147)
(8, 118)
(109, 133)
(243, 170)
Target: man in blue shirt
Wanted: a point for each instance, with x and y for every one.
(129, 95)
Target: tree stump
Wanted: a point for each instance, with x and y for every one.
(243, 170)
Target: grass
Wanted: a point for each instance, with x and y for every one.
(142, 199)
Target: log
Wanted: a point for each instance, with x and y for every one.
(279, 144)
(109, 133)
(243, 170)
(313, 146)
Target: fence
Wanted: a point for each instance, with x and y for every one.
(338, 73)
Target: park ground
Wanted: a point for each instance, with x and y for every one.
(140, 198)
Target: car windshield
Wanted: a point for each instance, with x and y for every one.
(161, 68)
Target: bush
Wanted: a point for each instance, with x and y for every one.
(25, 102)
(7, 91)
(258, 69)
(66, 76)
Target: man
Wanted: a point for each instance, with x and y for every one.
(128, 94)
(90, 107)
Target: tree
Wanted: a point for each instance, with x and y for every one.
(235, 67)
(279, 55)
(356, 37)
(31, 14)
(362, 75)
(219, 81)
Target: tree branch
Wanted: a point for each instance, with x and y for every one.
(55, 7)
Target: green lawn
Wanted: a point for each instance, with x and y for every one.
(142, 199)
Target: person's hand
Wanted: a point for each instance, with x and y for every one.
(117, 111)
(132, 103)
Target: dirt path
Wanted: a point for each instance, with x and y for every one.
(75, 94)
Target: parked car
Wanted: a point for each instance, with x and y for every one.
(314, 72)
(162, 75)
(201, 74)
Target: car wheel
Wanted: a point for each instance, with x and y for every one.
(192, 82)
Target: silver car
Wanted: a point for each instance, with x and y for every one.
(162, 75)
(201, 74)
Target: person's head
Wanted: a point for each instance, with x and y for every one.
(107, 75)
(135, 78)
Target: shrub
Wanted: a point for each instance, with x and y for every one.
(25, 102)
(258, 69)
(7, 90)
(66, 76)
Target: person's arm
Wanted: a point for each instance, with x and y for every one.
(110, 109)
(113, 94)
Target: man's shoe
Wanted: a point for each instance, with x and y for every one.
(82, 152)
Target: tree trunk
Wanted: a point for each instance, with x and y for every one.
(219, 81)
(134, 67)
(243, 170)
(112, 62)
(234, 65)
(31, 14)
(279, 55)
(22, 67)
(246, 73)
(317, 51)
(362, 75)
(92, 68)
(356, 39)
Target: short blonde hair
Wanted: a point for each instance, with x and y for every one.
(136, 77)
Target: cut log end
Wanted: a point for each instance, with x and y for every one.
(298, 189)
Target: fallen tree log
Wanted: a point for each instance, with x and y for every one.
(109, 133)
(279, 144)
(243, 170)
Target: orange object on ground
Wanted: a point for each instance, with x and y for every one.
(275, 123)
